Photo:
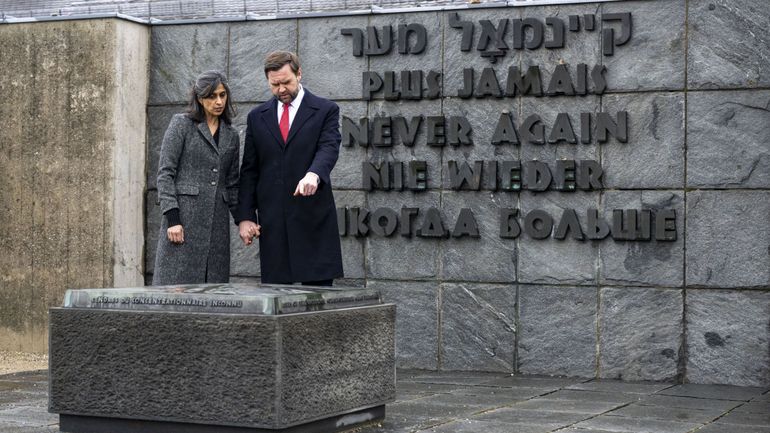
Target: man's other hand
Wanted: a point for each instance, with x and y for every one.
(308, 185)
(248, 230)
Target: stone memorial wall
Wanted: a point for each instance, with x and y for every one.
(576, 190)
(72, 152)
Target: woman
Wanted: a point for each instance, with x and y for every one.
(197, 184)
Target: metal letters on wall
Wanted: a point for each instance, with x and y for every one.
(493, 40)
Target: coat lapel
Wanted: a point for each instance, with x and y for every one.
(270, 118)
(203, 128)
(306, 110)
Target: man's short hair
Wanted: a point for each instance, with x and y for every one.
(277, 59)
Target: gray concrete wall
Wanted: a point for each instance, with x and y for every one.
(73, 156)
(696, 88)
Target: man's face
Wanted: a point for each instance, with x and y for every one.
(284, 83)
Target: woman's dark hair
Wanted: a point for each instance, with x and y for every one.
(204, 86)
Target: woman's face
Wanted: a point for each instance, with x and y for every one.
(214, 105)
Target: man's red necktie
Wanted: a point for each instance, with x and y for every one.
(284, 124)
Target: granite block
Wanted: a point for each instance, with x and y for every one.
(547, 109)
(329, 68)
(428, 60)
(179, 54)
(727, 139)
(728, 46)
(653, 157)
(419, 151)
(401, 257)
(483, 116)
(158, 119)
(728, 334)
(416, 321)
(167, 361)
(579, 47)
(653, 262)
(478, 329)
(485, 258)
(640, 333)
(553, 261)
(353, 256)
(250, 43)
(654, 58)
(244, 259)
(727, 239)
(151, 230)
(455, 60)
(557, 330)
(347, 173)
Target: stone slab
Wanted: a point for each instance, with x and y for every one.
(727, 338)
(514, 415)
(653, 157)
(158, 119)
(653, 262)
(487, 258)
(429, 60)
(347, 173)
(330, 362)
(478, 327)
(727, 141)
(249, 45)
(417, 322)
(475, 426)
(617, 397)
(557, 330)
(671, 401)
(398, 257)
(668, 414)
(333, 424)
(719, 427)
(353, 255)
(222, 298)
(654, 57)
(455, 60)
(419, 151)
(747, 419)
(727, 47)
(554, 261)
(717, 392)
(179, 54)
(727, 238)
(623, 424)
(619, 386)
(329, 68)
(570, 406)
(640, 333)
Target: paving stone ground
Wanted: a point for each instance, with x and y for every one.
(461, 402)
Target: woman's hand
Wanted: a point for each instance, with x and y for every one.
(176, 234)
(248, 230)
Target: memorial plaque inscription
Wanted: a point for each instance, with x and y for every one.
(224, 298)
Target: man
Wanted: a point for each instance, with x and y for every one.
(292, 143)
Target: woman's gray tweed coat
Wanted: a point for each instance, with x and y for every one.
(201, 179)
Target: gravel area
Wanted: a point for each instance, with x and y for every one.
(12, 362)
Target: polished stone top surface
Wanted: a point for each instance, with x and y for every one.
(223, 298)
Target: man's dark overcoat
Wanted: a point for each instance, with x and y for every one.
(201, 179)
(299, 240)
